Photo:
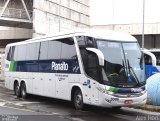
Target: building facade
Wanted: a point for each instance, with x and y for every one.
(51, 16)
(127, 16)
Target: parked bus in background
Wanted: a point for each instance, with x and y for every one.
(152, 62)
(95, 67)
(156, 52)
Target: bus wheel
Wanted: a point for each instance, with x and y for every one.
(78, 100)
(23, 91)
(17, 89)
(116, 108)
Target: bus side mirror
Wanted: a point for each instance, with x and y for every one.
(99, 54)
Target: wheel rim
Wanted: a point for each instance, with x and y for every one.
(23, 92)
(78, 100)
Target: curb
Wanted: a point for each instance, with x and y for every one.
(148, 107)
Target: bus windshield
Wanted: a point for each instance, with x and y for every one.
(123, 63)
(157, 54)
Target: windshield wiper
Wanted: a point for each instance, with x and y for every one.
(132, 73)
(125, 69)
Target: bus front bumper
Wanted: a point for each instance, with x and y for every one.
(107, 100)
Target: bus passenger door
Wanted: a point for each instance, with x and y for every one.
(62, 91)
(91, 76)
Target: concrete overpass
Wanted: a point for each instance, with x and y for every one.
(19, 16)
(15, 21)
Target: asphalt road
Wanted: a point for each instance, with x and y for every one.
(37, 108)
(13, 114)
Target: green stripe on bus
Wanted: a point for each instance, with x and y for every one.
(13, 66)
(113, 89)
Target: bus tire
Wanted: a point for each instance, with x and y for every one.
(17, 89)
(78, 100)
(117, 108)
(23, 91)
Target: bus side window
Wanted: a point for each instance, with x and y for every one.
(148, 59)
(90, 42)
(54, 49)
(21, 52)
(158, 61)
(84, 41)
(43, 50)
(81, 41)
(68, 49)
(157, 54)
(32, 52)
(10, 53)
(84, 55)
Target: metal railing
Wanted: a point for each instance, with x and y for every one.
(16, 13)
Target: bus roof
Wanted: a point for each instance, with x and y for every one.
(154, 50)
(96, 33)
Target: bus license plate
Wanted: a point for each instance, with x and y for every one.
(127, 102)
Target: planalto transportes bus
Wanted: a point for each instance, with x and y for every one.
(96, 67)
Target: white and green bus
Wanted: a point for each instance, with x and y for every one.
(95, 67)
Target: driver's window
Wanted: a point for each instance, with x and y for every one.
(90, 63)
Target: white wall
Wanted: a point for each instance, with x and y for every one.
(104, 12)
